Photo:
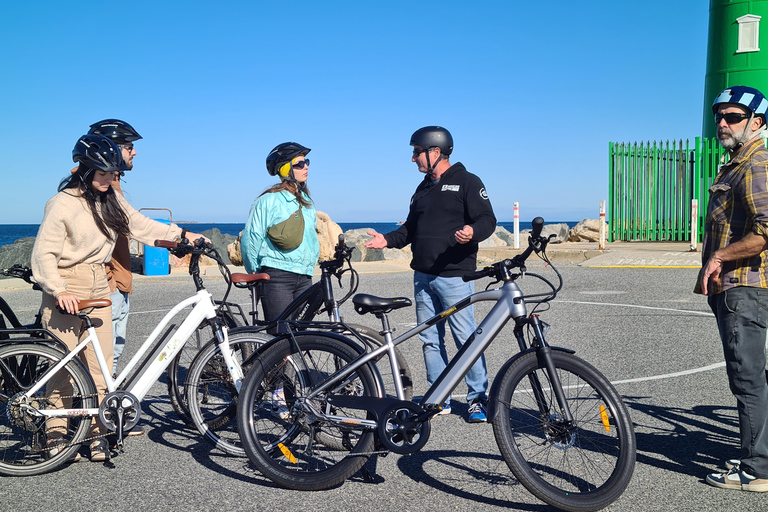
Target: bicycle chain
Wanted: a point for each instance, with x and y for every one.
(62, 446)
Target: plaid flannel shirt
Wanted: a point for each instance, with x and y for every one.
(738, 205)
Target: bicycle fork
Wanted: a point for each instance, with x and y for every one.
(544, 357)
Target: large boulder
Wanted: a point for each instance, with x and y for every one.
(500, 238)
(233, 251)
(19, 252)
(504, 235)
(560, 231)
(588, 230)
(358, 237)
(328, 235)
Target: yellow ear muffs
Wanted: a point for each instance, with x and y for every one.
(284, 169)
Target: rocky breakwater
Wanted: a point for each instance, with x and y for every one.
(19, 252)
(497, 246)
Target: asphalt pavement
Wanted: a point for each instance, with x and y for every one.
(630, 312)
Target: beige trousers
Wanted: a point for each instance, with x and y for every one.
(85, 281)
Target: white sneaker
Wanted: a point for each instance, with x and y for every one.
(279, 407)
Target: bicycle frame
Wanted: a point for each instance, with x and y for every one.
(510, 304)
(141, 382)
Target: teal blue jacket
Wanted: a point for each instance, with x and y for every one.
(256, 248)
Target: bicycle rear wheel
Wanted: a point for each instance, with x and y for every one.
(30, 445)
(582, 466)
(282, 438)
(211, 395)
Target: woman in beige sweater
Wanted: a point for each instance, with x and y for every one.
(75, 240)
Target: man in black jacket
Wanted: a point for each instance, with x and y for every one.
(450, 215)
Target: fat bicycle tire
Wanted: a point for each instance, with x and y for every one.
(580, 468)
(176, 373)
(281, 438)
(24, 438)
(211, 395)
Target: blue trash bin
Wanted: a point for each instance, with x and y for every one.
(156, 259)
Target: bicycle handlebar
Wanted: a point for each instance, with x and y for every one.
(501, 270)
(21, 272)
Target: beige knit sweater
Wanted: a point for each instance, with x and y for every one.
(69, 236)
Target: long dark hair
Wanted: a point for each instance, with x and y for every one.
(293, 188)
(105, 208)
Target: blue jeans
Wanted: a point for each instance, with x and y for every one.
(120, 308)
(433, 295)
(742, 318)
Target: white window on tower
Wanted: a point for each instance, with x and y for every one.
(749, 33)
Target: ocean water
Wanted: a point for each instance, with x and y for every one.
(9, 233)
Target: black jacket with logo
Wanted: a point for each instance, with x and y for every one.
(437, 211)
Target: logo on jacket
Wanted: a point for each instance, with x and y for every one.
(483, 193)
(450, 188)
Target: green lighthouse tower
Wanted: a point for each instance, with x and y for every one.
(737, 50)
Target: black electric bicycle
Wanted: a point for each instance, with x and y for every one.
(560, 425)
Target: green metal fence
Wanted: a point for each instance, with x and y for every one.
(651, 187)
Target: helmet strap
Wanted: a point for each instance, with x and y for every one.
(84, 182)
(746, 137)
(430, 166)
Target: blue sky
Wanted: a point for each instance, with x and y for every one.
(531, 91)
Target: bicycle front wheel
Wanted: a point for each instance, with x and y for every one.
(282, 438)
(176, 373)
(580, 466)
(211, 394)
(30, 445)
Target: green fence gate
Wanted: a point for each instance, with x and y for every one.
(651, 187)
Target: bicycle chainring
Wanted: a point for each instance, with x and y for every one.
(399, 429)
(120, 406)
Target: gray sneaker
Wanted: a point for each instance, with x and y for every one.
(735, 478)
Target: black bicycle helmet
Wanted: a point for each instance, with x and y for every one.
(433, 137)
(119, 131)
(283, 154)
(100, 153)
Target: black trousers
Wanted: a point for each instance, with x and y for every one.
(281, 289)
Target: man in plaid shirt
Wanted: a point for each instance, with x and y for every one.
(733, 276)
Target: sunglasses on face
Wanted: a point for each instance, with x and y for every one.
(300, 165)
(731, 118)
(417, 152)
(128, 147)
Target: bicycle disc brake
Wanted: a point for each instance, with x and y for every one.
(559, 433)
(120, 407)
(400, 430)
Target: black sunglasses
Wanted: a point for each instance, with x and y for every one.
(128, 147)
(417, 152)
(302, 164)
(731, 117)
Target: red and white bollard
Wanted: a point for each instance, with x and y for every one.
(601, 243)
(516, 219)
(694, 225)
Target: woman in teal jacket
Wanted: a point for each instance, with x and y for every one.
(290, 270)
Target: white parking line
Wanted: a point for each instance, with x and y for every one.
(705, 313)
